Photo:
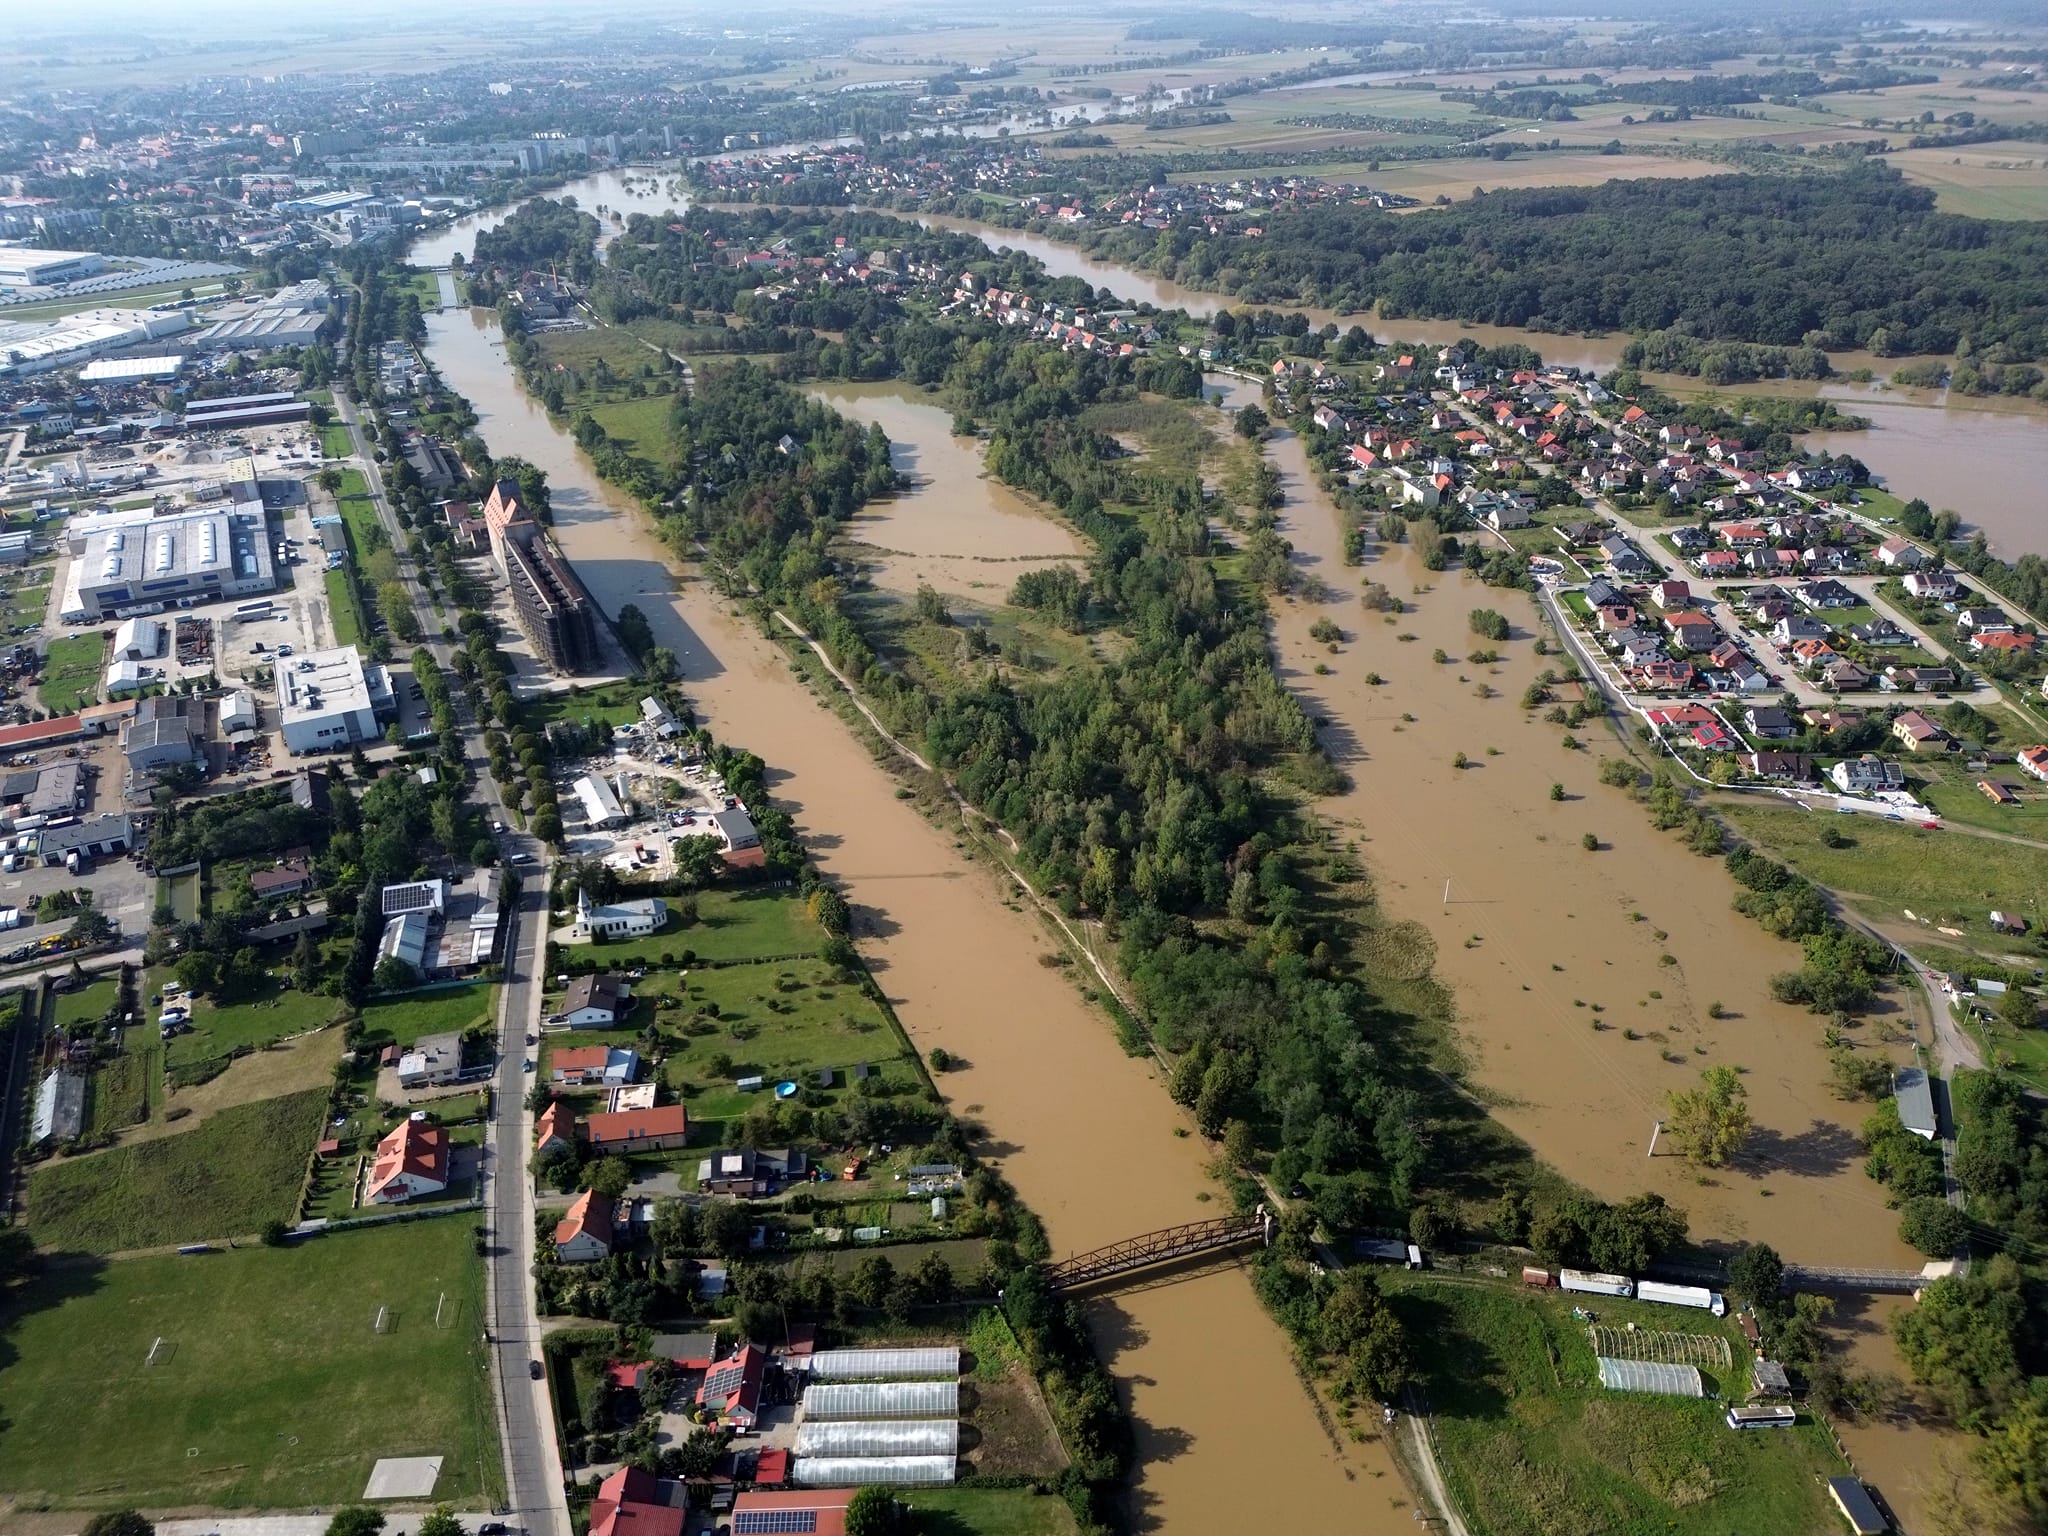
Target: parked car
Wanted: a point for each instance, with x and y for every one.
(535, 1369)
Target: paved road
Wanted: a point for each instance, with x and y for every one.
(533, 1469)
(533, 1472)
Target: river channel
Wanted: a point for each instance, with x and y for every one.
(1575, 1022)
(1087, 1135)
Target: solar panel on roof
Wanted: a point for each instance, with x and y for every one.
(725, 1378)
(772, 1522)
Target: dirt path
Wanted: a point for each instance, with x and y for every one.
(1421, 1459)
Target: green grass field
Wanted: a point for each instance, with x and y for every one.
(1533, 1445)
(73, 672)
(335, 441)
(341, 607)
(607, 703)
(255, 1022)
(778, 1021)
(359, 512)
(272, 1388)
(405, 1019)
(988, 1512)
(181, 894)
(731, 925)
(1957, 797)
(86, 1005)
(227, 1178)
(1887, 867)
(639, 426)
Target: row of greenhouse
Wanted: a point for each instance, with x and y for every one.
(886, 1416)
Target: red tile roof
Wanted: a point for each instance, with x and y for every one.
(415, 1149)
(557, 1120)
(36, 732)
(592, 1214)
(635, 1124)
(829, 1505)
(628, 1503)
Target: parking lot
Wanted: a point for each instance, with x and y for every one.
(670, 798)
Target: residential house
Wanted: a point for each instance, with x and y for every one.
(1779, 767)
(1825, 594)
(2003, 643)
(2034, 760)
(1796, 627)
(1917, 732)
(1918, 679)
(587, 1232)
(412, 1161)
(1845, 676)
(1638, 649)
(635, 1503)
(433, 1061)
(1714, 737)
(1833, 718)
(1933, 586)
(744, 1172)
(731, 1392)
(1623, 557)
(620, 919)
(591, 1066)
(290, 877)
(1668, 676)
(818, 1511)
(594, 1002)
(1616, 618)
(1985, 621)
(1747, 677)
(556, 1128)
(1867, 774)
(1900, 555)
(1768, 722)
(1693, 631)
(638, 1130)
(1671, 593)
(1879, 632)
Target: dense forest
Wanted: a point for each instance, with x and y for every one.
(1859, 260)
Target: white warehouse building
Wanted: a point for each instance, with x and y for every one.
(147, 563)
(331, 700)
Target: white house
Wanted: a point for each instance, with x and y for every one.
(432, 1061)
(1899, 555)
(595, 1002)
(619, 919)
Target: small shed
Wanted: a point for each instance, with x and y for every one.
(1915, 1095)
(1767, 1378)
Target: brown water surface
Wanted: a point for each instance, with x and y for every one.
(1087, 1135)
(955, 529)
(1539, 940)
(1911, 1457)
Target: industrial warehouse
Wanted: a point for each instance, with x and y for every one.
(133, 560)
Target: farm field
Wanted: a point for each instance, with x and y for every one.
(272, 1389)
(1533, 1443)
(1947, 876)
(2003, 180)
(227, 1178)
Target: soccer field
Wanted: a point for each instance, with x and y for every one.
(271, 1387)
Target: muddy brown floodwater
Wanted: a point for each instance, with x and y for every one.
(954, 529)
(1086, 1134)
(1912, 1456)
(1575, 1022)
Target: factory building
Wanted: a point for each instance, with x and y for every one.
(125, 563)
(331, 700)
(291, 317)
(29, 347)
(24, 266)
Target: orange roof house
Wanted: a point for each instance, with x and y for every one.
(410, 1162)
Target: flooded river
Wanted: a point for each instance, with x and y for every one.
(1576, 1023)
(1986, 459)
(955, 529)
(1085, 1133)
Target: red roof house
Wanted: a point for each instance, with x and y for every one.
(586, 1232)
(410, 1162)
(644, 1130)
(556, 1127)
(635, 1503)
(732, 1387)
(786, 1510)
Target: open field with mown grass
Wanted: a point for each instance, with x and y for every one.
(227, 1178)
(2003, 180)
(639, 426)
(271, 1390)
(1532, 1445)
(272, 1013)
(1949, 877)
(404, 1019)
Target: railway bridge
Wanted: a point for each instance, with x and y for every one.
(1162, 1247)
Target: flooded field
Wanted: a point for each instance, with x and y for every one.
(1583, 980)
(955, 529)
(1085, 1133)
(1909, 1457)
